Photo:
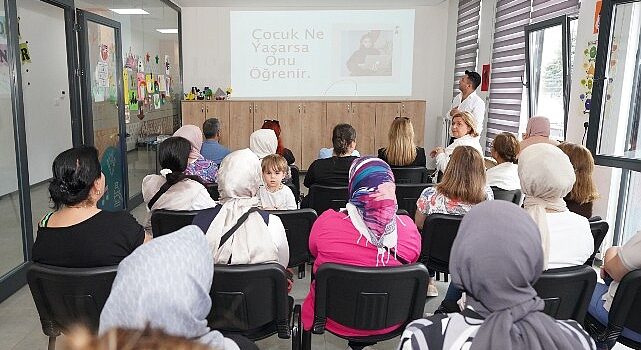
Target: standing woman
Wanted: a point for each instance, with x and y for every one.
(464, 132)
(401, 150)
(285, 152)
(198, 165)
(584, 191)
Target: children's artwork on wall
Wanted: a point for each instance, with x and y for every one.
(150, 83)
(157, 58)
(589, 58)
(156, 101)
(98, 93)
(131, 61)
(25, 57)
(142, 86)
(133, 100)
(147, 56)
(167, 64)
(141, 65)
(125, 84)
(168, 84)
(162, 83)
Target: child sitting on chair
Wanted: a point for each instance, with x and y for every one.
(273, 194)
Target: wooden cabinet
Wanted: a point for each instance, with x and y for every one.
(241, 124)
(360, 115)
(193, 113)
(386, 112)
(220, 110)
(415, 110)
(289, 118)
(264, 110)
(314, 131)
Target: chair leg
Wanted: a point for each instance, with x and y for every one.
(307, 340)
(52, 343)
(301, 271)
(297, 328)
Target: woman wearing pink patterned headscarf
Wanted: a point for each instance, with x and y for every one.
(198, 165)
(367, 233)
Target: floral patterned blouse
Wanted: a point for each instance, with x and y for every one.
(431, 201)
(205, 168)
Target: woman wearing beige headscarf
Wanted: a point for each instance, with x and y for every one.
(537, 131)
(546, 177)
(261, 237)
(263, 142)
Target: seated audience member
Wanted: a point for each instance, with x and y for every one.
(464, 134)
(77, 233)
(329, 153)
(173, 190)
(584, 191)
(463, 186)
(274, 195)
(537, 131)
(546, 177)
(285, 152)
(401, 150)
(165, 285)
(364, 234)
(263, 142)
(503, 310)
(259, 237)
(197, 165)
(211, 148)
(334, 171)
(617, 263)
(505, 174)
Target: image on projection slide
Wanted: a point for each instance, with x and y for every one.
(321, 53)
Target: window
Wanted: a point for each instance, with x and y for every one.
(467, 43)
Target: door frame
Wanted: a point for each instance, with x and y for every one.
(87, 113)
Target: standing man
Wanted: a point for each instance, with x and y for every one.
(468, 100)
(211, 148)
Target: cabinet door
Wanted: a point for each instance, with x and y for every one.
(241, 124)
(313, 133)
(363, 119)
(415, 110)
(385, 114)
(193, 113)
(289, 118)
(337, 112)
(264, 110)
(220, 110)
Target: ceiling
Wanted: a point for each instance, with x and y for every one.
(305, 3)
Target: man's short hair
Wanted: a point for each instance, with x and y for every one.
(211, 127)
(474, 77)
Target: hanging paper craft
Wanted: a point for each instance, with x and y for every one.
(142, 86)
(125, 84)
(133, 100)
(167, 64)
(104, 52)
(147, 57)
(24, 53)
(162, 83)
(98, 93)
(141, 65)
(102, 74)
(157, 58)
(131, 61)
(156, 101)
(150, 83)
(168, 83)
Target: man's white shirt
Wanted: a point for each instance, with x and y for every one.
(473, 104)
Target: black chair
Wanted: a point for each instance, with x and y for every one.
(322, 198)
(408, 194)
(567, 291)
(65, 297)
(439, 232)
(368, 298)
(298, 225)
(624, 313)
(252, 300)
(213, 191)
(410, 175)
(295, 184)
(599, 229)
(513, 196)
(168, 221)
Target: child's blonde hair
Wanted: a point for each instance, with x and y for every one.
(274, 162)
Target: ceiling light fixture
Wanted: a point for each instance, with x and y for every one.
(130, 11)
(168, 30)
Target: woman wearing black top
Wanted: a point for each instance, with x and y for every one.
(334, 171)
(401, 151)
(285, 152)
(77, 233)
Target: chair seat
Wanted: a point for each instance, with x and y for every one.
(599, 315)
(372, 338)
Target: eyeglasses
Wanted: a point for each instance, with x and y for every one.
(406, 118)
(271, 120)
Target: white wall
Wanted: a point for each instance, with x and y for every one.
(206, 54)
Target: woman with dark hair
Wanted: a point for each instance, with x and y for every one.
(505, 174)
(173, 189)
(77, 233)
(285, 152)
(334, 171)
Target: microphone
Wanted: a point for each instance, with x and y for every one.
(585, 132)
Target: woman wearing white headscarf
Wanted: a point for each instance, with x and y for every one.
(165, 284)
(261, 237)
(263, 142)
(546, 177)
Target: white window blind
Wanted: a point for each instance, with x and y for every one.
(467, 35)
(547, 9)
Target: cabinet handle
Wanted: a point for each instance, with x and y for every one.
(255, 108)
(304, 111)
(298, 109)
(403, 109)
(202, 109)
(207, 109)
(348, 108)
(250, 108)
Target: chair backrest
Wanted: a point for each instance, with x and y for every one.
(246, 298)
(322, 198)
(599, 229)
(298, 224)
(295, 172)
(567, 291)
(513, 196)
(168, 221)
(213, 191)
(410, 175)
(369, 298)
(66, 297)
(626, 305)
(408, 194)
(439, 232)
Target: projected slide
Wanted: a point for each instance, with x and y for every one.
(322, 53)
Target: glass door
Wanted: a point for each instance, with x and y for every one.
(103, 103)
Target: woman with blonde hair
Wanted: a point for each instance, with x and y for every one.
(464, 131)
(584, 191)
(463, 185)
(401, 150)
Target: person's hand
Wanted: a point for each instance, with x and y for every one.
(290, 280)
(436, 151)
(454, 111)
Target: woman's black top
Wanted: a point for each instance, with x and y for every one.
(332, 171)
(584, 209)
(418, 161)
(102, 240)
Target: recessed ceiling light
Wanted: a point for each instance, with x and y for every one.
(168, 30)
(130, 11)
